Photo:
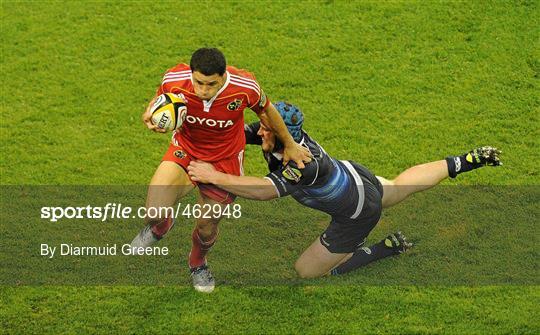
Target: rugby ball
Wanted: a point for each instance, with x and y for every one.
(169, 111)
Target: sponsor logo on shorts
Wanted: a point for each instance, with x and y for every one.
(180, 153)
(366, 250)
(234, 105)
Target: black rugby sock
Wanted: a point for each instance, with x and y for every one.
(364, 256)
(459, 164)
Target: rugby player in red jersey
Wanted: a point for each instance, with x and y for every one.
(213, 131)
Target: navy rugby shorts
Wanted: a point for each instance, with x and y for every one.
(345, 235)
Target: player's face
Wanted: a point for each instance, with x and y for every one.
(207, 86)
(268, 139)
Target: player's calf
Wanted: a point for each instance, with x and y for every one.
(200, 246)
(202, 278)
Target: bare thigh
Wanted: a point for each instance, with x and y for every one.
(169, 183)
(390, 192)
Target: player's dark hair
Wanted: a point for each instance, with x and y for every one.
(208, 61)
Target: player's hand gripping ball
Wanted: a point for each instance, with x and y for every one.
(169, 111)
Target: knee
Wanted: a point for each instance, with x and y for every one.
(300, 271)
(303, 271)
(206, 223)
(207, 227)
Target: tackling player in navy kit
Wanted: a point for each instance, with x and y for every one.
(346, 190)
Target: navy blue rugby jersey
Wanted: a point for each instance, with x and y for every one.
(325, 184)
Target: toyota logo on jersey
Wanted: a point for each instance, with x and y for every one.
(209, 122)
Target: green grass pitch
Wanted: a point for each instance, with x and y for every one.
(389, 84)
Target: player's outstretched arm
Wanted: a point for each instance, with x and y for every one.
(243, 186)
(293, 151)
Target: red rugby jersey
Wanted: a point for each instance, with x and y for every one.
(214, 129)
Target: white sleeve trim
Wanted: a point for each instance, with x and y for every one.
(277, 191)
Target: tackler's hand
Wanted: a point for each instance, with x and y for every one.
(201, 172)
(298, 154)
